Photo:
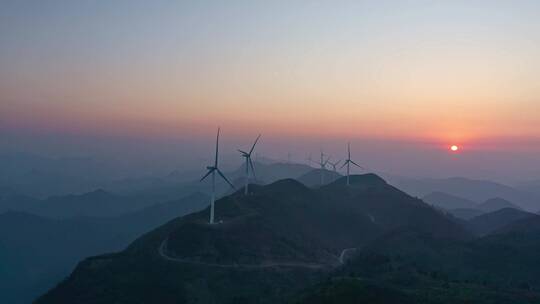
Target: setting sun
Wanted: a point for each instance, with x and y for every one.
(454, 148)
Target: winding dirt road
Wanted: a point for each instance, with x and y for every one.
(162, 250)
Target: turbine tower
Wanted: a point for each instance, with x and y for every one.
(348, 163)
(212, 170)
(249, 163)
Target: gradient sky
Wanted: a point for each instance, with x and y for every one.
(424, 73)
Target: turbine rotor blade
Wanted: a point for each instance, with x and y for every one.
(223, 176)
(207, 173)
(326, 162)
(253, 147)
(345, 163)
(352, 162)
(217, 148)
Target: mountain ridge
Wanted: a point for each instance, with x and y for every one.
(288, 222)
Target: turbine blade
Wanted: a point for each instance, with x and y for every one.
(344, 164)
(206, 175)
(253, 147)
(217, 148)
(352, 162)
(223, 176)
(326, 162)
(349, 149)
(243, 152)
(252, 169)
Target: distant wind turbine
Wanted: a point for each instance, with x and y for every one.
(334, 165)
(348, 163)
(322, 163)
(212, 170)
(310, 159)
(249, 163)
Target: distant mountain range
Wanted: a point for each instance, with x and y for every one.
(469, 189)
(465, 213)
(96, 203)
(494, 204)
(36, 252)
(41, 177)
(495, 220)
(137, 193)
(448, 201)
(467, 209)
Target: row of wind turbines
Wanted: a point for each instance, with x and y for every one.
(323, 163)
(213, 169)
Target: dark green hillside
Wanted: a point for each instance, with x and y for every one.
(269, 245)
(405, 286)
(499, 262)
(407, 267)
(350, 290)
(530, 225)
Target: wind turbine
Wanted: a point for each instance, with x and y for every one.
(323, 164)
(212, 170)
(334, 165)
(247, 156)
(309, 159)
(348, 163)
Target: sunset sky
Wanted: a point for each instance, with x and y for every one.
(423, 74)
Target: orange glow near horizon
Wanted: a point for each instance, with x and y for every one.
(411, 73)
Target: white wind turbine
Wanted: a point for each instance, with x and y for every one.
(348, 163)
(212, 170)
(249, 164)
